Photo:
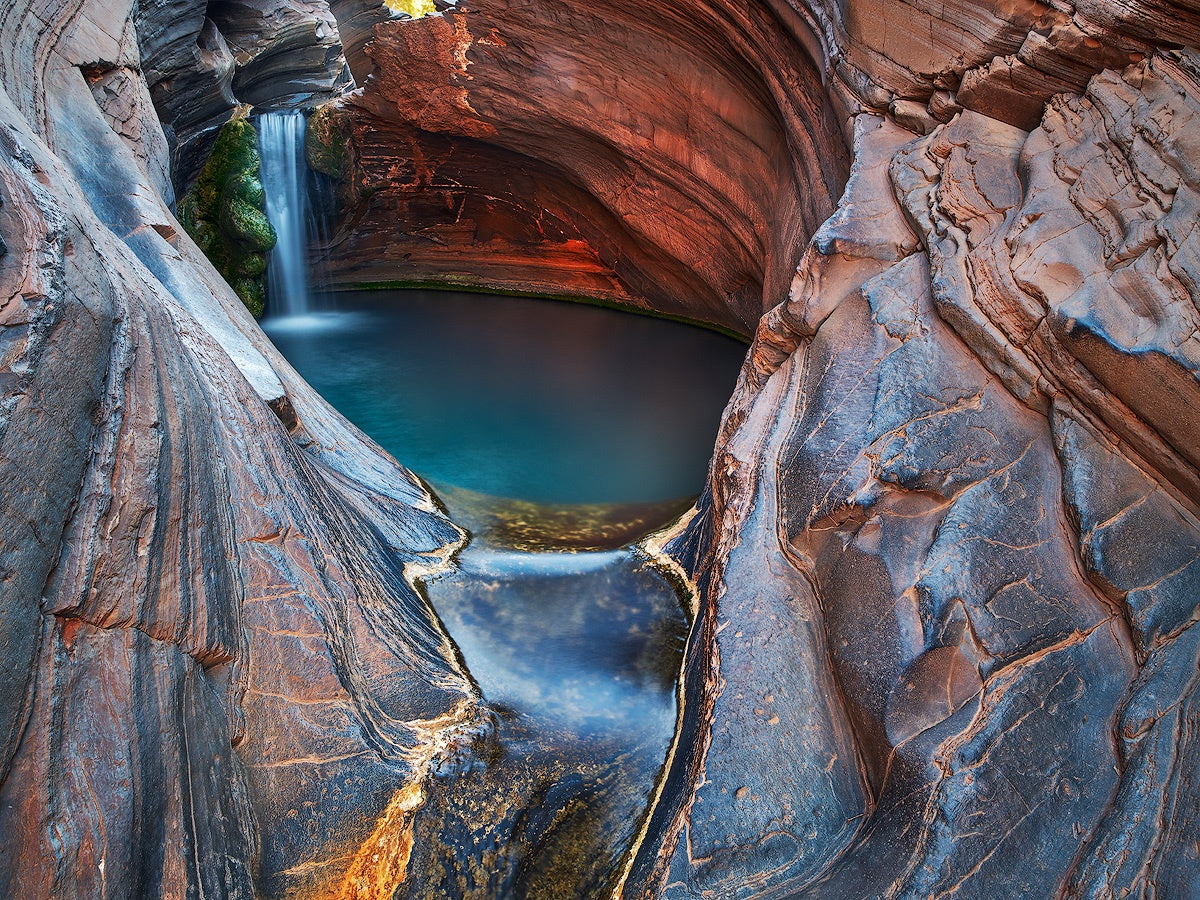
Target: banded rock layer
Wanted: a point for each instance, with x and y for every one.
(670, 157)
(217, 678)
(946, 559)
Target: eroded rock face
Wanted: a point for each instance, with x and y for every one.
(203, 59)
(946, 562)
(217, 676)
(922, 615)
(674, 157)
(942, 485)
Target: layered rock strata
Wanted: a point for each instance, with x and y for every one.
(201, 60)
(949, 552)
(672, 157)
(217, 677)
(946, 562)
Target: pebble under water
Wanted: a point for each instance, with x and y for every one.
(550, 427)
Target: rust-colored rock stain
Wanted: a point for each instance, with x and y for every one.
(381, 863)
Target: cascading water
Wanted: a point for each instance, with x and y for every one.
(284, 178)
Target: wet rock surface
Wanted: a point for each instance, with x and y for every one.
(945, 563)
(216, 673)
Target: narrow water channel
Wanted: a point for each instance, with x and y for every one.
(557, 434)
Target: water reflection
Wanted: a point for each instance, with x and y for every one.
(529, 399)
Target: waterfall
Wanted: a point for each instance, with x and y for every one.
(285, 180)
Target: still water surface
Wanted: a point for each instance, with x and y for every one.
(535, 400)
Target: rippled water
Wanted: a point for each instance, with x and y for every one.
(548, 427)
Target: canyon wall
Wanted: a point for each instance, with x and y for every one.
(673, 157)
(949, 569)
(948, 555)
(217, 678)
(946, 561)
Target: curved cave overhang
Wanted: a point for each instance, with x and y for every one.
(668, 157)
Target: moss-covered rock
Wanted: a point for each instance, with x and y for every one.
(252, 265)
(225, 213)
(253, 292)
(328, 145)
(247, 225)
(331, 150)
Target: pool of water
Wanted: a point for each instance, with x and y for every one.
(578, 653)
(547, 428)
(532, 400)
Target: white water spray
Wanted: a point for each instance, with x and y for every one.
(284, 178)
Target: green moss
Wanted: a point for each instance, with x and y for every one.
(327, 143)
(247, 225)
(185, 211)
(330, 149)
(252, 265)
(246, 188)
(225, 213)
(253, 292)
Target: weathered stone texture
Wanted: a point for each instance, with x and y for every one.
(987, 485)
(201, 60)
(948, 557)
(285, 52)
(216, 675)
(627, 157)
